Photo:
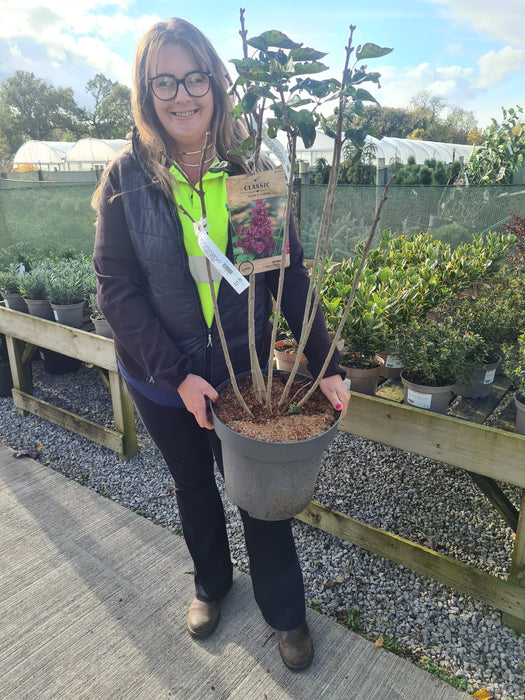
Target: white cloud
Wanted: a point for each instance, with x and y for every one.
(503, 20)
(495, 66)
(61, 37)
(454, 83)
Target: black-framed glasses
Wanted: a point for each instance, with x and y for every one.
(166, 86)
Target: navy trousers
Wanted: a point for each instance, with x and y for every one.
(189, 451)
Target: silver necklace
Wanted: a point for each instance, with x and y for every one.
(196, 165)
(192, 153)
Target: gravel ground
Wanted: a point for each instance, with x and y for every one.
(425, 501)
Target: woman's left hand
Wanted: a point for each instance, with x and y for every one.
(336, 392)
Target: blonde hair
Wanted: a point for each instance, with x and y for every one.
(153, 141)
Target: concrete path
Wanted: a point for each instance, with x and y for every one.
(93, 600)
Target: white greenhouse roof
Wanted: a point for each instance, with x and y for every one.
(42, 153)
(85, 154)
(388, 148)
(94, 151)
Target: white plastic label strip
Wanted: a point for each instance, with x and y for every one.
(217, 258)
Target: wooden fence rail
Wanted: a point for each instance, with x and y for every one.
(488, 454)
(494, 454)
(24, 333)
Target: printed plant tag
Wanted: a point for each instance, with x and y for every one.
(257, 205)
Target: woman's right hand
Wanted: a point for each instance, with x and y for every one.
(194, 391)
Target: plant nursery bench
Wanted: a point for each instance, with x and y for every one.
(24, 333)
(488, 454)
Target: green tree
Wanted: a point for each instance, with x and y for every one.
(32, 109)
(111, 117)
(502, 152)
(422, 120)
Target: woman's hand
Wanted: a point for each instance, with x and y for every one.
(194, 391)
(336, 392)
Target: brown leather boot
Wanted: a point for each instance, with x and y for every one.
(203, 618)
(296, 648)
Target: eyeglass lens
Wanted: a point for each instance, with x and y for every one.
(166, 86)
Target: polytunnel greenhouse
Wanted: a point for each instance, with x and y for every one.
(89, 153)
(391, 149)
(47, 155)
(86, 154)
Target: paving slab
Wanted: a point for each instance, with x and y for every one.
(92, 607)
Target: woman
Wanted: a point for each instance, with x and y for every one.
(156, 297)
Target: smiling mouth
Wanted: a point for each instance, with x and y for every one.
(185, 114)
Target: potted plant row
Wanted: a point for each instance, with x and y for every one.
(404, 279)
(52, 289)
(56, 290)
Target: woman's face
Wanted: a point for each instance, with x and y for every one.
(186, 119)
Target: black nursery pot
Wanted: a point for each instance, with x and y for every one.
(6, 380)
(56, 363)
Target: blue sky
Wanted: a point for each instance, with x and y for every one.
(470, 52)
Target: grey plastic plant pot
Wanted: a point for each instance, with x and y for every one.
(429, 398)
(270, 480)
(480, 385)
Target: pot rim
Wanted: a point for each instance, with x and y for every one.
(242, 375)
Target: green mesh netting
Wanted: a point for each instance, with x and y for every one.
(451, 213)
(37, 218)
(41, 217)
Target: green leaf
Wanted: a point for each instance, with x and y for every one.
(364, 96)
(297, 102)
(305, 68)
(257, 42)
(371, 51)
(308, 134)
(318, 88)
(356, 136)
(276, 39)
(249, 103)
(219, 167)
(366, 77)
(252, 70)
(306, 54)
(237, 111)
(262, 91)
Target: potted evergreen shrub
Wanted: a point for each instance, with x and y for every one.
(33, 288)
(10, 281)
(365, 330)
(514, 368)
(436, 357)
(486, 315)
(65, 288)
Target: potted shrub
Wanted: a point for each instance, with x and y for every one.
(275, 75)
(514, 368)
(6, 380)
(10, 280)
(436, 356)
(65, 288)
(489, 313)
(100, 322)
(33, 288)
(365, 330)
